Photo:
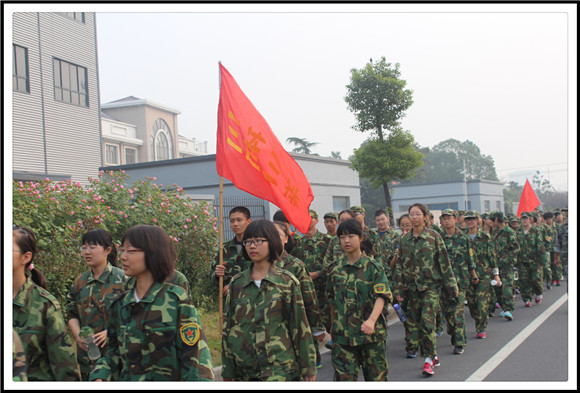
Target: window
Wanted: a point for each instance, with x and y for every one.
(70, 83)
(162, 146)
(130, 155)
(78, 16)
(111, 154)
(161, 141)
(486, 206)
(340, 203)
(20, 79)
(498, 205)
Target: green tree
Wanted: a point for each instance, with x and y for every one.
(382, 162)
(378, 98)
(511, 193)
(302, 145)
(335, 154)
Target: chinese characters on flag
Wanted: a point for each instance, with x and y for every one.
(528, 201)
(250, 156)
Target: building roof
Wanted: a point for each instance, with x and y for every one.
(135, 101)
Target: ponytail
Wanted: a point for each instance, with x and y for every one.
(26, 241)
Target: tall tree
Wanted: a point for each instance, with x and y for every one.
(302, 145)
(378, 98)
(384, 161)
(335, 154)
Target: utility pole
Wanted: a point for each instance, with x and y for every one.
(465, 185)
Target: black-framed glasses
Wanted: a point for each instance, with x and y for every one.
(257, 242)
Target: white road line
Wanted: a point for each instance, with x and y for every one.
(501, 355)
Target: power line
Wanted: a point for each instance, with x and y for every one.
(533, 166)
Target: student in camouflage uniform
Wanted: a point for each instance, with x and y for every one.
(298, 269)
(18, 359)
(233, 260)
(561, 249)
(553, 231)
(479, 292)
(411, 330)
(549, 240)
(92, 292)
(334, 250)
(530, 268)
(38, 318)
(425, 270)
(538, 223)
(359, 293)
(310, 249)
(507, 249)
(330, 223)
(294, 235)
(154, 331)
(266, 334)
(385, 237)
(370, 235)
(461, 256)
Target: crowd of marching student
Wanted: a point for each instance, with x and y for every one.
(283, 294)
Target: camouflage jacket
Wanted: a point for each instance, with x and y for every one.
(562, 241)
(532, 245)
(506, 247)
(353, 291)
(385, 246)
(89, 298)
(266, 335)
(423, 263)
(311, 251)
(177, 278)
(18, 359)
(159, 338)
(234, 261)
(550, 234)
(38, 320)
(298, 269)
(333, 252)
(485, 255)
(461, 256)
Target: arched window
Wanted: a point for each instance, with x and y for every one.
(162, 143)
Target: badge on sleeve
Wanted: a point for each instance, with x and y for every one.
(190, 333)
(380, 288)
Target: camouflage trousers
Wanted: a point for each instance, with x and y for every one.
(478, 298)
(422, 308)
(556, 269)
(411, 331)
(372, 357)
(531, 279)
(455, 315)
(546, 267)
(505, 293)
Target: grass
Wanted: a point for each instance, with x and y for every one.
(211, 327)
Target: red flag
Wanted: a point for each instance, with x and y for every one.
(529, 200)
(250, 156)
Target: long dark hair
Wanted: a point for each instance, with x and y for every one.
(100, 237)
(353, 227)
(267, 230)
(26, 241)
(159, 251)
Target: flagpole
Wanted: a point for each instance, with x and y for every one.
(221, 254)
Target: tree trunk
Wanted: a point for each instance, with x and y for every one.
(389, 204)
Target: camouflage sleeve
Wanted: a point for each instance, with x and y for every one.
(228, 359)
(449, 280)
(301, 335)
(107, 367)
(192, 348)
(71, 303)
(514, 245)
(61, 355)
(381, 287)
(310, 299)
(470, 255)
(18, 359)
(493, 255)
(214, 263)
(540, 242)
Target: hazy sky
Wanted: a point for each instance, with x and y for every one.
(498, 75)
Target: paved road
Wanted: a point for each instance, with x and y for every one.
(532, 347)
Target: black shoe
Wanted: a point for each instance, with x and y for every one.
(458, 350)
(328, 344)
(548, 285)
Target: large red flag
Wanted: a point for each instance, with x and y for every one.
(529, 200)
(251, 157)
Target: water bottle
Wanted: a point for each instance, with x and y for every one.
(400, 313)
(516, 276)
(494, 283)
(94, 352)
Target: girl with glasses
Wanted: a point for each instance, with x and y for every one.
(266, 334)
(91, 293)
(37, 317)
(154, 331)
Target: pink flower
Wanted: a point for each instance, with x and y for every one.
(72, 213)
(115, 189)
(118, 222)
(154, 220)
(185, 226)
(132, 207)
(188, 219)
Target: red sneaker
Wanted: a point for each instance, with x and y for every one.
(480, 335)
(436, 362)
(539, 299)
(528, 304)
(428, 369)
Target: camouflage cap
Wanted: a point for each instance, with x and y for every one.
(525, 215)
(485, 216)
(357, 209)
(513, 219)
(471, 214)
(497, 214)
(313, 214)
(449, 212)
(535, 214)
(331, 215)
(460, 212)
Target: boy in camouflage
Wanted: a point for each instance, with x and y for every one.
(266, 334)
(530, 268)
(359, 293)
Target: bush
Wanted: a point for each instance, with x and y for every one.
(60, 213)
